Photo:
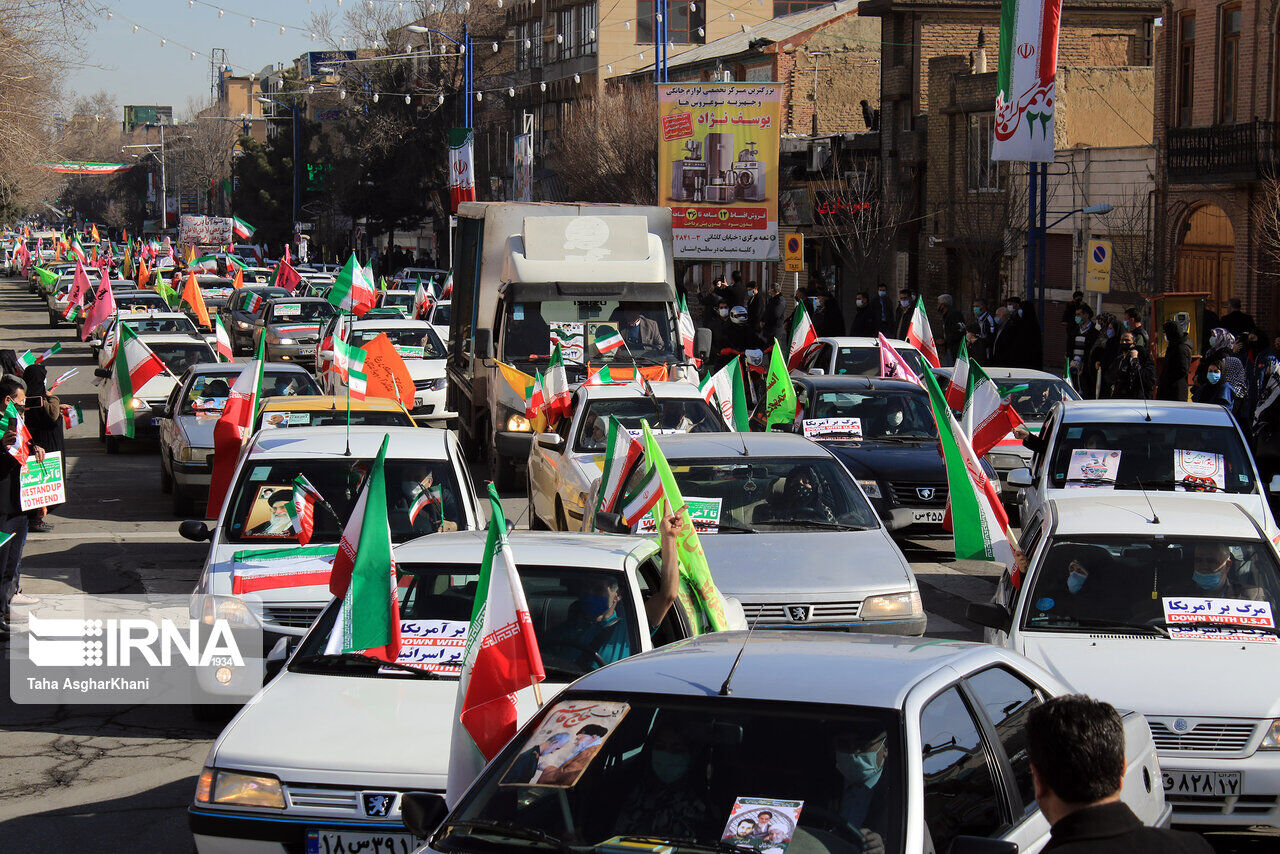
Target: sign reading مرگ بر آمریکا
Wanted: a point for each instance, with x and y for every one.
(718, 168)
(41, 483)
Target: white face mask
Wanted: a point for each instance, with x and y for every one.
(904, 302)
(723, 312)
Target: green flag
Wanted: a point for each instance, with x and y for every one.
(701, 597)
(169, 294)
(779, 392)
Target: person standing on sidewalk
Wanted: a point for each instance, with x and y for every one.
(44, 421)
(12, 519)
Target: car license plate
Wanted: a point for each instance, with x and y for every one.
(930, 516)
(344, 841)
(155, 422)
(419, 401)
(1218, 783)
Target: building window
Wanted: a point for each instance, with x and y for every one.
(587, 29)
(788, 7)
(566, 36)
(984, 173)
(522, 53)
(1186, 65)
(535, 41)
(684, 25)
(1228, 60)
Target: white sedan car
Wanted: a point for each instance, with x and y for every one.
(736, 725)
(855, 355)
(1165, 606)
(273, 789)
(178, 352)
(564, 463)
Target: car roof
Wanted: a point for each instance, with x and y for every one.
(390, 322)
(1160, 412)
(793, 666)
(398, 292)
(151, 315)
(274, 300)
(235, 367)
(864, 341)
(1095, 512)
(729, 446)
(406, 442)
(837, 382)
(662, 389)
(1006, 373)
(320, 402)
(171, 338)
(532, 548)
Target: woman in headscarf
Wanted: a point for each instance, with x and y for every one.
(1266, 422)
(44, 421)
(1177, 363)
(1221, 352)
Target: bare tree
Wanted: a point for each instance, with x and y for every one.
(1130, 229)
(986, 229)
(605, 149)
(203, 149)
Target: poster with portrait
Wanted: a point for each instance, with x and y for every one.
(268, 515)
(1091, 468)
(565, 743)
(762, 824)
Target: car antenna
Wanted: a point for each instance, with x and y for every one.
(1154, 520)
(726, 690)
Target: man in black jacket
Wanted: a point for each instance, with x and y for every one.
(775, 315)
(1177, 364)
(1076, 748)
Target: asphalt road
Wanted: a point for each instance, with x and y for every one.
(119, 778)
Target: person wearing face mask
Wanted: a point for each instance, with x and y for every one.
(1216, 573)
(1069, 313)
(668, 801)
(1215, 388)
(1081, 344)
(886, 316)
(1004, 347)
(865, 320)
(861, 798)
(718, 323)
(1105, 348)
(902, 315)
(754, 304)
(893, 421)
(802, 498)
(774, 326)
(986, 322)
(1132, 374)
(1172, 384)
(1133, 323)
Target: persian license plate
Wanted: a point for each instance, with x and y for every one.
(930, 516)
(1218, 783)
(155, 422)
(419, 400)
(345, 841)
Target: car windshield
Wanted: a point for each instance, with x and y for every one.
(160, 325)
(418, 342)
(869, 414)
(1032, 399)
(686, 773)
(177, 357)
(436, 602)
(674, 415)
(402, 301)
(440, 316)
(865, 361)
(140, 302)
(1185, 457)
(207, 394)
(259, 510)
(766, 493)
(1197, 583)
(265, 294)
(308, 417)
(311, 312)
(591, 330)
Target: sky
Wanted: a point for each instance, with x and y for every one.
(138, 70)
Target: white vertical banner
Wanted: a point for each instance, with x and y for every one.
(522, 169)
(1025, 83)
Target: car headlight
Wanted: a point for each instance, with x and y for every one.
(139, 403)
(870, 487)
(186, 455)
(284, 340)
(518, 424)
(241, 324)
(1005, 461)
(233, 611)
(1271, 740)
(891, 605)
(240, 790)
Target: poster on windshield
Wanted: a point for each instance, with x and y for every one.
(832, 428)
(40, 483)
(762, 824)
(564, 744)
(276, 420)
(718, 169)
(570, 335)
(1091, 468)
(1199, 471)
(704, 512)
(1246, 613)
(435, 645)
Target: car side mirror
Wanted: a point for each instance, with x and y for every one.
(990, 615)
(484, 344)
(611, 523)
(816, 372)
(1020, 477)
(702, 342)
(1275, 484)
(422, 812)
(195, 531)
(551, 441)
(277, 657)
(102, 372)
(982, 845)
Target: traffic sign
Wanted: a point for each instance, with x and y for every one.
(1098, 267)
(793, 253)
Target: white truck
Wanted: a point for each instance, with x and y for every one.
(525, 275)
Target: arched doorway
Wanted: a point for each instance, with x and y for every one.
(1206, 255)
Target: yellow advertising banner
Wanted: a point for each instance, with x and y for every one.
(718, 168)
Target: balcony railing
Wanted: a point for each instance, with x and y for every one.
(1222, 153)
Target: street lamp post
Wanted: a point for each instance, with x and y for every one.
(1100, 210)
(464, 47)
(164, 187)
(297, 149)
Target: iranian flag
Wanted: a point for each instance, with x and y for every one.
(920, 335)
(347, 358)
(958, 385)
(73, 416)
(79, 289)
(56, 348)
(803, 336)
(233, 426)
(285, 276)
(643, 498)
(462, 185)
(556, 387)
(978, 521)
(501, 658)
(21, 447)
(988, 415)
(223, 340)
(608, 339)
(26, 360)
(241, 229)
(1025, 80)
(686, 327)
(76, 248)
(424, 497)
(621, 452)
(724, 390)
(357, 384)
(302, 511)
(421, 301)
(353, 291)
(537, 397)
(599, 378)
(893, 366)
(364, 575)
(104, 306)
(133, 365)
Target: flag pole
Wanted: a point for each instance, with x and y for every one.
(347, 452)
(537, 691)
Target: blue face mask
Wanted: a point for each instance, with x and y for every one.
(859, 767)
(1206, 580)
(1111, 333)
(594, 606)
(1213, 376)
(1075, 581)
(669, 766)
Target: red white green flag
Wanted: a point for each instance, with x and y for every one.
(223, 340)
(21, 447)
(241, 229)
(724, 390)
(364, 575)
(424, 497)
(533, 406)
(599, 378)
(608, 339)
(988, 415)
(958, 385)
(920, 335)
(302, 511)
(621, 452)
(687, 330)
(643, 498)
(803, 335)
(133, 365)
(1025, 80)
(556, 387)
(500, 659)
(233, 427)
(353, 291)
(462, 185)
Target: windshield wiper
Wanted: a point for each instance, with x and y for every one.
(1169, 483)
(361, 658)
(709, 845)
(510, 831)
(1088, 623)
(721, 526)
(814, 523)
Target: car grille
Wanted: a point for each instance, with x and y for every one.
(337, 801)
(904, 492)
(821, 612)
(1203, 738)
(294, 617)
(1241, 805)
(429, 385)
